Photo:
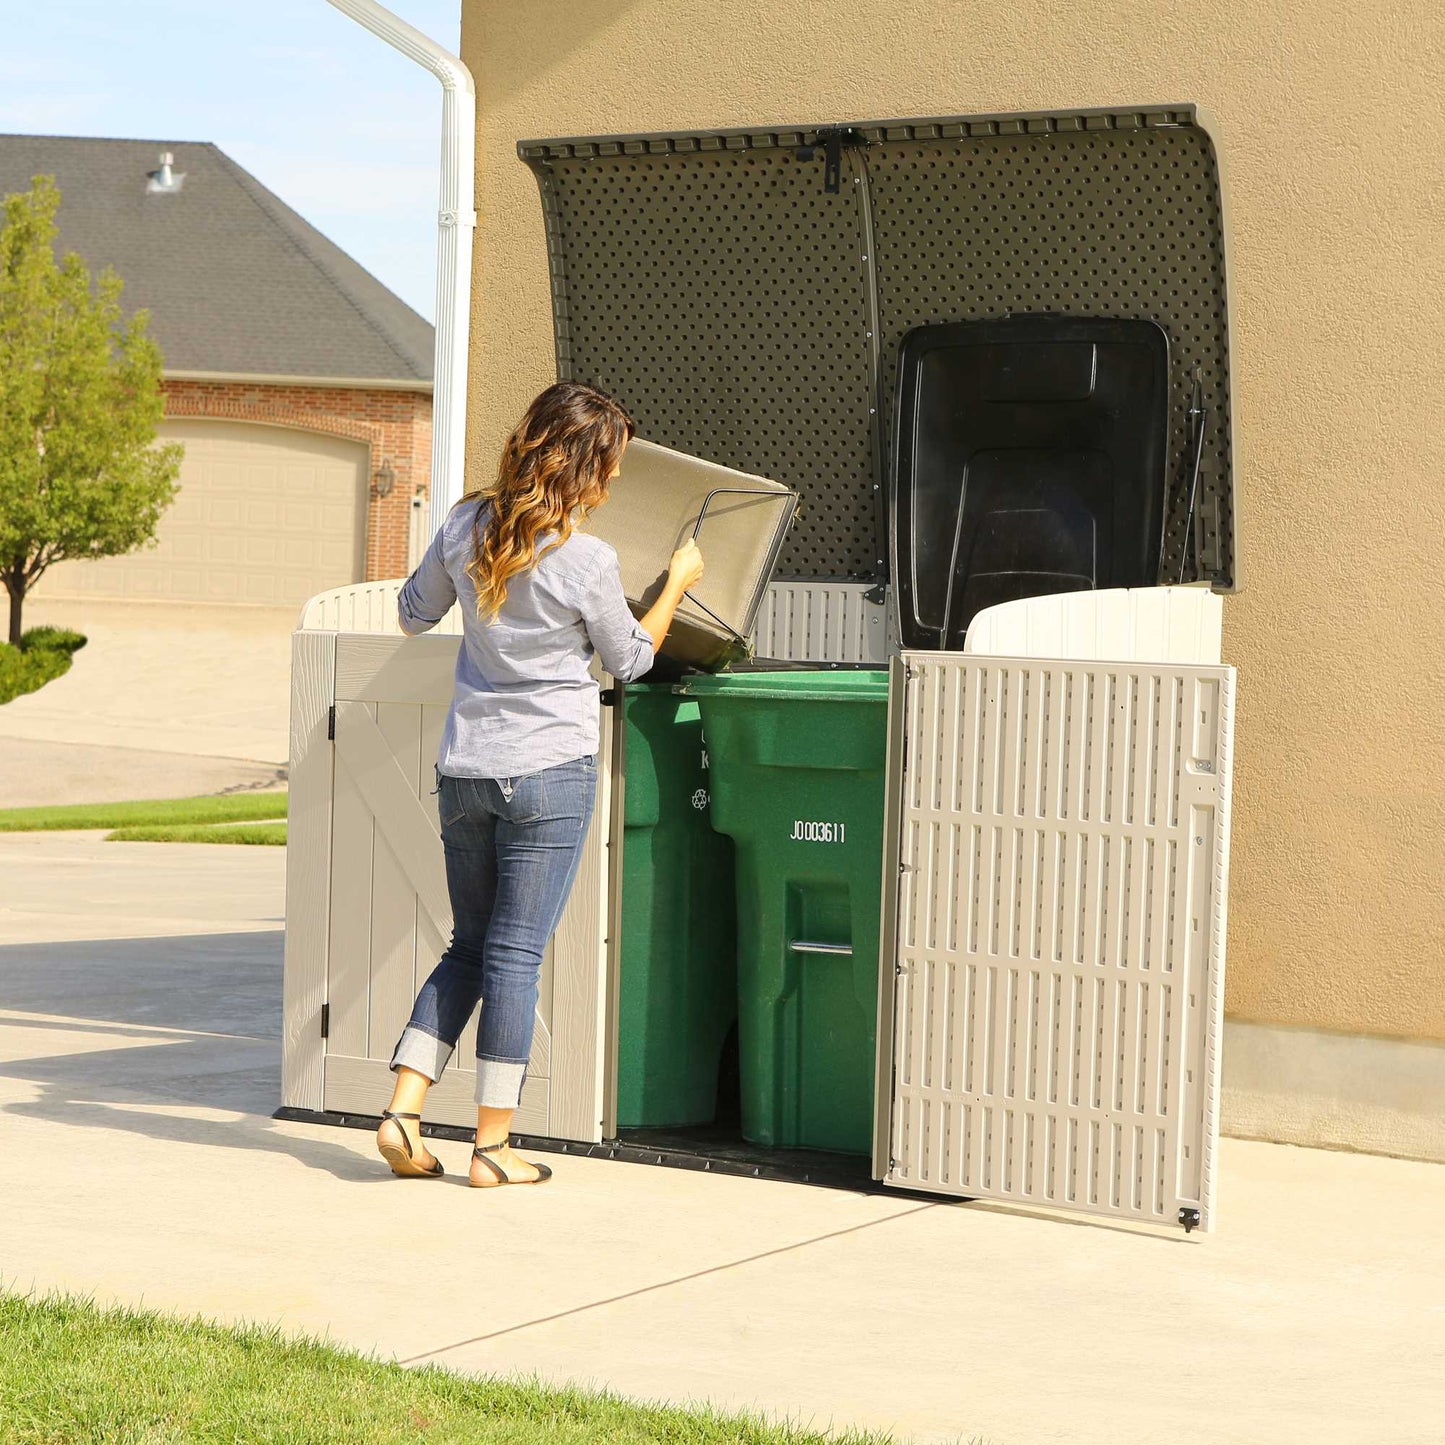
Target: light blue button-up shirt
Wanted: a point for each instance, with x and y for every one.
(524, 698)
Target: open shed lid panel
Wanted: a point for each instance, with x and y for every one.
(746, 293)
(718, 294)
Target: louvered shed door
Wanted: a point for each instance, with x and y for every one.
(1061, 833)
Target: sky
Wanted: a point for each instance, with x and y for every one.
(332, 119)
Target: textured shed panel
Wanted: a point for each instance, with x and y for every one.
(749, 315)
(391, 916)
(1057, 1004)
(1082, 217)
(821, 622)
(367, 607)
(720, 296)
(799, 621)
(386, 906)
(1116, 624)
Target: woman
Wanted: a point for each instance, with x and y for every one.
(517, 768)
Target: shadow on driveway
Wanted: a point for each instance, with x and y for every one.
(196, 1021)
(215, 983)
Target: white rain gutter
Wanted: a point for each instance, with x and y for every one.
(456, 221)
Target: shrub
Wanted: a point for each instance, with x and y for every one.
(43, 655)
(54, 639)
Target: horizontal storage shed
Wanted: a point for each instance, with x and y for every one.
(1055, 767)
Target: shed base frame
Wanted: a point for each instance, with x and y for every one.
(665, 1148)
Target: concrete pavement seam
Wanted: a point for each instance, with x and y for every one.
(665, 1284)
(26, 1019)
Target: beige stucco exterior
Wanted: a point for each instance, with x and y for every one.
(1327, 116)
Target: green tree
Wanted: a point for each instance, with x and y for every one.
(80, 400)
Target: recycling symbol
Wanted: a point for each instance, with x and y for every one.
(700, 799)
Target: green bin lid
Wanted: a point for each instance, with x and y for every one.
(804, 685)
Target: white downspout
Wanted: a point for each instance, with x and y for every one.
(456, 221)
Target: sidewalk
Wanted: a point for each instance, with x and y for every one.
(139, 1061)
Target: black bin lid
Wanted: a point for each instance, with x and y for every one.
(1030, 457)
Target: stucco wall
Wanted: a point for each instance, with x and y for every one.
(1329, 117)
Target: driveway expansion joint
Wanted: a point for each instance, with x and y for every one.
(667, 1284)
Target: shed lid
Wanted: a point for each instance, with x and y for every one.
(745, 293)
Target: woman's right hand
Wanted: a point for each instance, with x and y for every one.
(686, 567)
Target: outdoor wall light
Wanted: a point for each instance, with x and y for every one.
(384, 478)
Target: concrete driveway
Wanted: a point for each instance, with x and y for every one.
(164, 701)
(139, 1062)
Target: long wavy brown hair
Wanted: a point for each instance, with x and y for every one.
(555, 469)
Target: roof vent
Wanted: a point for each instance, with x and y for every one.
(165, 181)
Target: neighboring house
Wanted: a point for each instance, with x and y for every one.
(300, 385)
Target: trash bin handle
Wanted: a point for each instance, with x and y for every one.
(789, 497)
(837, 950)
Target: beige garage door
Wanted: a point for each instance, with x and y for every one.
(265, 515)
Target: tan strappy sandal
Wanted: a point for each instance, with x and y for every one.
(400, 1156)
(481, 1153)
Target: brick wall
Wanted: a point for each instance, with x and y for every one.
(396, 425)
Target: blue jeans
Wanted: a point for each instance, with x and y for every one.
(512, 848)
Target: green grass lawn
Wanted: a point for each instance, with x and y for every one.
(161, 812)
(72, 1372)
(273, 834)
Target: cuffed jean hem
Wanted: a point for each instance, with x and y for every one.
(424, 1052)
(499, 1083)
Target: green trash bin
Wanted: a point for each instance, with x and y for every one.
(798, 784)
(678, 967)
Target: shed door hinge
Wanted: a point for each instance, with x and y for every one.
(325, 1020)
(331, 722)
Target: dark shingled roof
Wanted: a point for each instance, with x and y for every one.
(234, 279)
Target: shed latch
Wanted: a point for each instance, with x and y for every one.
(608, 697)
(833, 142)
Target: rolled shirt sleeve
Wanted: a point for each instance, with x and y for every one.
(428, 594)
(625, 649)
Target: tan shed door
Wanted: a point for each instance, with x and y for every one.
(1053, 990)
(265, 515)
(390, 914)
